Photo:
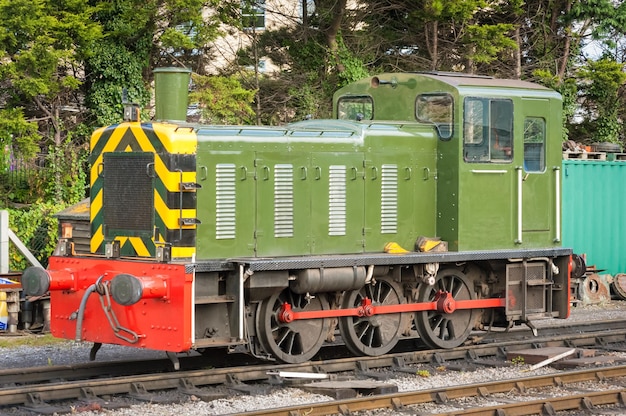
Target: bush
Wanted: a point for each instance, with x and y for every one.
(36, 227)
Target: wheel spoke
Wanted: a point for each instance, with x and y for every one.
(367, 335)
(436, 321)
(450, 328)
(281, 339)
(386, 298)
(442, 329)
(361, 329)
(459, 288)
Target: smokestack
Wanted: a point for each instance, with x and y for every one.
(171, 98)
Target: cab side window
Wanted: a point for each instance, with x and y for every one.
(355, 108)
(438, 110)
(534, 144)
(488, 130)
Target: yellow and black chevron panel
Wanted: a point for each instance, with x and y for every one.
(140, 193)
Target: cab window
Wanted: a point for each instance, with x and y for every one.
(355, 108)
(488, 130)
(534, 144)
(436, 109)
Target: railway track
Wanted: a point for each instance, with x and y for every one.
(481, 393)
(32, 388)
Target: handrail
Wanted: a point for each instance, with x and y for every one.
(489, 171)
(520, 181)
(557, 228)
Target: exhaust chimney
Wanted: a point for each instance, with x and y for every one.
(171, 86)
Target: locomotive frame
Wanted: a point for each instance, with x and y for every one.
(274, 240)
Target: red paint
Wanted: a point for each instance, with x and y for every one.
(161, 319)
(443, 303)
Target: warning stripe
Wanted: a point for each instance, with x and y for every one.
(174, 151)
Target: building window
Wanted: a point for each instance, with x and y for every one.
(253, 15)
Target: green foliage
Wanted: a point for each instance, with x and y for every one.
(68, 171)
(519, 360)
(27, 185)
(449, 9)
(305, 55)
(603, 80)
(176, 38)
(569, 93)
(305, 102)
(352, 68)
(62, 179)
(488, 41)
(37, 229)
(302, 88)
(115, 68)
(18, 137)
(43, 45)
(223, 100)
(315, 72)
(161, 32)
(185, 17)
(40, 41)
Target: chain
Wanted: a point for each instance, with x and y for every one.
(105, 302)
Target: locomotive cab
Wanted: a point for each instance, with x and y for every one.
(499, 152)
(498, 170)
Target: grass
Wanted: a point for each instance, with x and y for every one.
(29, 340)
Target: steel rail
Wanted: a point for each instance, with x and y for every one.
(584, 401)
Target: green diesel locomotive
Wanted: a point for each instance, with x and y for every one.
(430, 207)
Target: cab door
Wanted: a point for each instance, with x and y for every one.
(536, 180)
(486, 190)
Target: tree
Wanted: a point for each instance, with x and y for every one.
(142, 35)
(313, 58)
(222, 100)
(43, 44)
(19, 138)
(602, 82)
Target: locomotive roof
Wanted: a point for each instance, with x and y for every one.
(460, 79)
(455, 80)
(304, 129)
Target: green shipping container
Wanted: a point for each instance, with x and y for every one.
(594, 222)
